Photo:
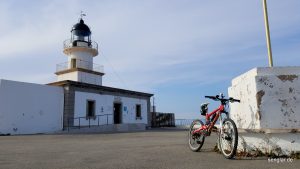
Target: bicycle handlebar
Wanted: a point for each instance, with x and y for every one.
(211, 97)
(216, 98)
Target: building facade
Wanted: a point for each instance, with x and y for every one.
(100, 105)
(76, 99)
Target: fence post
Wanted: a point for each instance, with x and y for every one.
(68, 124)
(98, 119)
(79, 122)
(89, 122)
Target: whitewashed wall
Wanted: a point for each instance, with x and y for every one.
(269, 113)
(270, 98)
(104, 105)
(27, 108)
(89, 78)
(81, 77)
(68, 76)
(81, 55)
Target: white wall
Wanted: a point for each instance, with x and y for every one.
(104, 105)
(78, 76)
(81, 55)
(277, 143)
(269, 113)
(68, 76)
(89, 78)
(245, 113)
(27, 108)
(270, 98)
(84, 59)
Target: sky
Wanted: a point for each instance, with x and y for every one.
(178, 50)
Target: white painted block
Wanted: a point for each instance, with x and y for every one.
(270, 98)
(268, 117)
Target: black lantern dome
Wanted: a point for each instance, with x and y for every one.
(81, 32)
(81, 29)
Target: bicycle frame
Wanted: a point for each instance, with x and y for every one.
(208, 128)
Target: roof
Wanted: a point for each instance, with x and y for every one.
(81, 29)
(100, 88)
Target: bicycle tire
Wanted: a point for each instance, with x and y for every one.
(235, 142)
(200, 141)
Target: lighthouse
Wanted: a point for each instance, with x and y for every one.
(80, 50)
(77, 99)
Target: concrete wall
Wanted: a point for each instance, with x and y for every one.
(270, 98)
(27, 108)
(277, 144)
(104, 105)
(269, 110)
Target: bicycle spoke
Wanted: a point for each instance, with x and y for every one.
(196, 140)
(227, 138)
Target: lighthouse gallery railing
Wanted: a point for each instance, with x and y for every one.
(80, 64)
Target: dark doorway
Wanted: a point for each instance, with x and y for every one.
(117, 113)
(90, 108)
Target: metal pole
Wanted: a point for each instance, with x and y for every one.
(268, 33)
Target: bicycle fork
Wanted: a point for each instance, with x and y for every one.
(223, 134)
(221, 126)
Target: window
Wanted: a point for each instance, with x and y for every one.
(73, 63)
(138, 113)
(90, 109)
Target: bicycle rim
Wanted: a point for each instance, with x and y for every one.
(195, 141)
(228, 139)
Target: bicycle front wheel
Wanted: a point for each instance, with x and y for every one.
(196, 140)
(228, 138)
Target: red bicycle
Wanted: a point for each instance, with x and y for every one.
(227, 131)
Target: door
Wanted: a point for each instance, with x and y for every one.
(117, 113)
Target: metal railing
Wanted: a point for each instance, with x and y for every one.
(70, 43)
(183, 122)
(163, 119)
(80, 64)
(86, 121)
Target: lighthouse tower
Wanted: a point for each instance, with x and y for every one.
(80, 50)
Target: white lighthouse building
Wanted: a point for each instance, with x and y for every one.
(76, 101)
(80, 50)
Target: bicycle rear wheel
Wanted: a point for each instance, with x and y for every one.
(228, 138)
(196, 141)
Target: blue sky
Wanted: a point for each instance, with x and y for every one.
(178, 50)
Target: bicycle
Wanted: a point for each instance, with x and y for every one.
(227, 131)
